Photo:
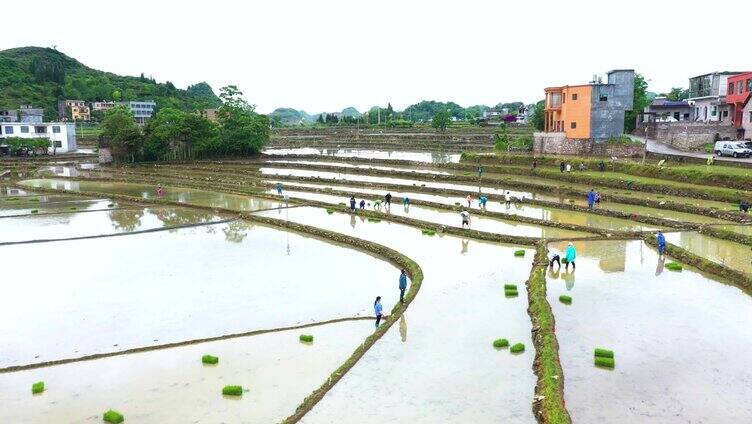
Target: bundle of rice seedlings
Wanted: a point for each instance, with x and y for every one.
(510, 286)
(113, 417)
(428, 232)
(673, 266)
(232, 390)
(374, 220)
(519, 252)
(517, 348)
(567, 300)
(510, 292)
(604, 358)
(329, 211)
(499, 343)
(210, 359)
(37, 387)
(307, 338)
(34, 211)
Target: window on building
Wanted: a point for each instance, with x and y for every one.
(714, 111)
(58, 143)
(750, 116)
(749, 85)
(731, 88)
(603, 98)
(56, 129)
(40, 129)
(573, 125)
(725, 113)
(24, 129)
(686, 117)
(739, 87)
(574, 96)
(8, 130)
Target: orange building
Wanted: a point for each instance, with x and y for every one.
(568, 110)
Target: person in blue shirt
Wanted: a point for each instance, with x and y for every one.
(661, 243)
(378, 310)
(352, 204)
(571, 256)
(591, 198)
(279, 189)
(402, 285)
(483, 201)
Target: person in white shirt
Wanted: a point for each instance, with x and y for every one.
(465, 218)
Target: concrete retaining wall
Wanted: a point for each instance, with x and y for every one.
(686, 135)
(558, 144)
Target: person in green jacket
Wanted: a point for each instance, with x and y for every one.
(571, 255)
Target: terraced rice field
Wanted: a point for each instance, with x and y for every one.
(115, 291)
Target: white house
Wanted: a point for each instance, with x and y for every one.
(61, 134)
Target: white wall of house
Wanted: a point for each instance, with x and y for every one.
(707, 109)
(747, 120)
(62, 134)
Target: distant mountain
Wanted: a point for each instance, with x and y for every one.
(40, 76)
(290, 116)
(351, 111)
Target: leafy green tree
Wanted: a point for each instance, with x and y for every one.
(320, 119)
(117, 95)
(441, 120)
(678, 93)
(242, 130)
(172, 129)
(24, 146)
(539, 116)
(641, 100)
(121, 132)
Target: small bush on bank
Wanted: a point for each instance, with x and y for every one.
(113, 417)
(567, 300)
(37, 387)
(500, 343)
(517, 348)
(210, 359)
(306, 338)
(519, 253)
(673, 266)
(232, 390)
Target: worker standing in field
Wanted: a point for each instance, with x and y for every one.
(378, 310)
(279, 189)
(483, 200)
(465, 218)
(402, 285)
(363, 203)
(591, 199)
(469, 200)
(571, 256)
(352, 204)
(388, 200)
(661, 243)
(508, 199)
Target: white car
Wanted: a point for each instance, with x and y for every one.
(732, 148)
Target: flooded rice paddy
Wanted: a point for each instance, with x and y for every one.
(371, 154)
(163, 287)
(429, 364)
(680, 339)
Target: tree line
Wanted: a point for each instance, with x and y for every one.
(175, 134)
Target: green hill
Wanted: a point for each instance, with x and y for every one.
(41, 76)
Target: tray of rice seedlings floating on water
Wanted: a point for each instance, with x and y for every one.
(113, 417)
(673, 266)
(565, 299)
(306, 338)
(210, 359)
(517, 348)
(510, 290)
(232, 390)
(500, 343)
(604, 358)
(37, 387)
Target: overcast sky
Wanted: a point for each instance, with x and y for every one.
(326, 55)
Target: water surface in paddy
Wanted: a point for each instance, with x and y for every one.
(681, 339)
(359, 166)
(43, 204)
(162, 287)
(450, 218)
(172, 386)
(729, 253)
(516, 208)
(126, 219)
(371, 154)
(174, 194)
(438, 364)
(745, 229)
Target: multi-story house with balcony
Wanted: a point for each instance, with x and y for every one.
(593, 111)
(738, 94)
(102, 106)
(8, 115)
(78, 109)
(62, 135)
(707, 97)
(31, 114)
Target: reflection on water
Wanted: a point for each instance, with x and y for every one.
(611, 256)
(403, 328)
(729, 253)
(663, 326)
(174, 194)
